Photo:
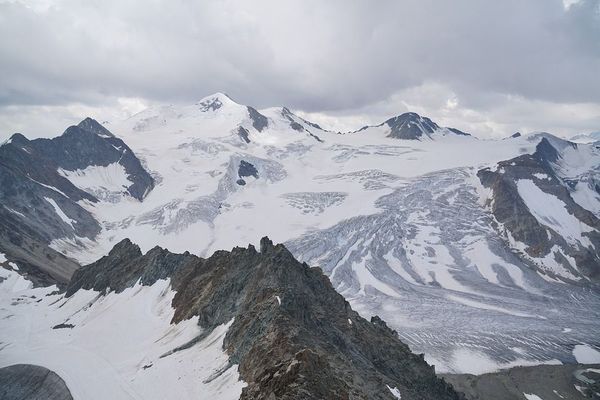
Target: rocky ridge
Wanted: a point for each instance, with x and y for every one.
(293, 336)
(542, 237)
(40, 203)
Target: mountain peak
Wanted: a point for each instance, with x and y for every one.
(91, 125)
(215, 101)
(410, 125)
(16, 138)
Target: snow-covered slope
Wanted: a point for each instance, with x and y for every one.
(401, 226)
(118, 348)
(586, 137)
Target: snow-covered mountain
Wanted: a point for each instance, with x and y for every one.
(482, 254)
(411, 126)
(47, 186)
(586, 137)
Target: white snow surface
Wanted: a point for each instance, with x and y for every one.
(114, 349)
(586, 354)
(60, 212)
(104, 182)
(395, 392)
(532, 396)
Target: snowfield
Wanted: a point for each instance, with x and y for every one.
(115, 346)
(106, 183)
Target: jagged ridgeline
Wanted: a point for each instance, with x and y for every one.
(293, 336)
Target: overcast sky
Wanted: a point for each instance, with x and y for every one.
(486, 67)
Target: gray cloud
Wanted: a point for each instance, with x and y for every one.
(316, 56)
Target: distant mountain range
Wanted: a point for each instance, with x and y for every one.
(469, 249)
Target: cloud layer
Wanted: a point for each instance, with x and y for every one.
(467, 60)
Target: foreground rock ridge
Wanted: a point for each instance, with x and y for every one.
(293, 336)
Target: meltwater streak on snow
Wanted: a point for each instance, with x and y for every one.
(114, 348)
(550, 211)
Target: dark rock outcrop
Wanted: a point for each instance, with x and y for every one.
(259, 121)
(125, 265)
(293, 336)
(410, 126)
(31, 382)
(89, 143)
(300, 126)
(244, 134)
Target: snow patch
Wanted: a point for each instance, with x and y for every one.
(48, 186)
(60, 212)
(395, 392)
(586, 354)
(532, 396)
(542, 176)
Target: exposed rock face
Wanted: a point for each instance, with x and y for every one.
(247, 169)
(31, 382)
(259, 121)
(412, 126)
(38, 204)
(300, 124)
(125, 265)
(244, 134)
(541, 237)
(293, 335)
(89, 143)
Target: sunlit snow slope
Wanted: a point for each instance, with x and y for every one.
(120, 347)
